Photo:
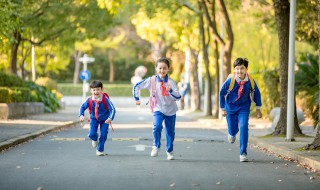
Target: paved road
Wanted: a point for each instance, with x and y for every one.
(66, 160)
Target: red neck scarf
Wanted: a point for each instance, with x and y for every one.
(96, 111)
(241, 84)
(163, 89)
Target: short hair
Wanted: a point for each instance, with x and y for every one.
(163, 60)
(96, 84)
(241, 61)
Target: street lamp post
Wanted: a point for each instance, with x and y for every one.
(85, 74)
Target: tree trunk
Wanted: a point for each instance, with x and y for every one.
(316, 142)
(159, 49)
(229, 39)
(194, 82)
(76, 56)
(207, 98)
(282, 16)
(216, 85)
(111, 71)
(14, 52)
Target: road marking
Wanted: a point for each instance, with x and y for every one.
(125, 139)
(183, 140)
(140, 147)
(68, 139)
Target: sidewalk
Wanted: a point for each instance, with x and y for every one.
(259, 128)
(14, 132)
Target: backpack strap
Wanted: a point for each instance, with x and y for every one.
(90, 104)
(104, 101)
(251, 82)
(231, 83)
(153, 85)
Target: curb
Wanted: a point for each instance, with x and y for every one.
(306, 160)
(23, 138)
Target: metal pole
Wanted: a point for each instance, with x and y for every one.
(290, 99)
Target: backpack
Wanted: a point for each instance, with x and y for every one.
(232, 85)
(104, 101)
(153, 100)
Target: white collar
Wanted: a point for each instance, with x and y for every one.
(245, 78)
(94, 99)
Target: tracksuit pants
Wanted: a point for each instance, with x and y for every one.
(236, 121)
(169, 122)
(93, 133)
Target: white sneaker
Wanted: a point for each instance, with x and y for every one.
(94, 144)
(231, 139)
(155, 151)
(170, 156)
(99, 153)
(243, 158)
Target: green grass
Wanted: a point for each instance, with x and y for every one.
(284, 136)
(69, 89)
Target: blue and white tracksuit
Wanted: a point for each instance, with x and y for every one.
(103, 115)
(238, 111)
(165, 109)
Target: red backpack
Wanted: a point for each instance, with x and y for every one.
(104, 101)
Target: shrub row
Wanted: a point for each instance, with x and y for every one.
(14, 89)
(69, 89)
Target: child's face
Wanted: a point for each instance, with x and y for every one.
(240, 71)
(96, 92)
(162, 69)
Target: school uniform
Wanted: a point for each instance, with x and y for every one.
(237, 105)
(98, 116)
(165, 109)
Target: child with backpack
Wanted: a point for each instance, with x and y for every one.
(101, 112)
(163, 94)
(236, 95)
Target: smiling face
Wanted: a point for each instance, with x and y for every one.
(162, 69)
(96, 92)
(240, 71)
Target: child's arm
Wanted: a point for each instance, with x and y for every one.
(222, 94)
(173, 90)
(257, 100)
(83, 108)
(144, 84)
(112, 111)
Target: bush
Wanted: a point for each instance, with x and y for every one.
(47, 82)
(111, 89)
(19, 94)
(9, 80)
(4, 95)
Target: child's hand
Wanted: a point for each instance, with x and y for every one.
(138, 102)
(81, 118)
(168, 88)
(224, 113)
(258, 114)
(108, 121)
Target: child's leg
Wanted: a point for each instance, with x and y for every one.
(244, 134)
(232, 120)
(170, 122)
(157, 128)
(103, 136)
(92, 133)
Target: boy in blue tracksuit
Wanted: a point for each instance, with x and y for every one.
(102, 113)
(235, 105)
(166, 94)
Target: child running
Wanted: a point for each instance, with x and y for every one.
(101, 112)
(235, 103)
(165, 92)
